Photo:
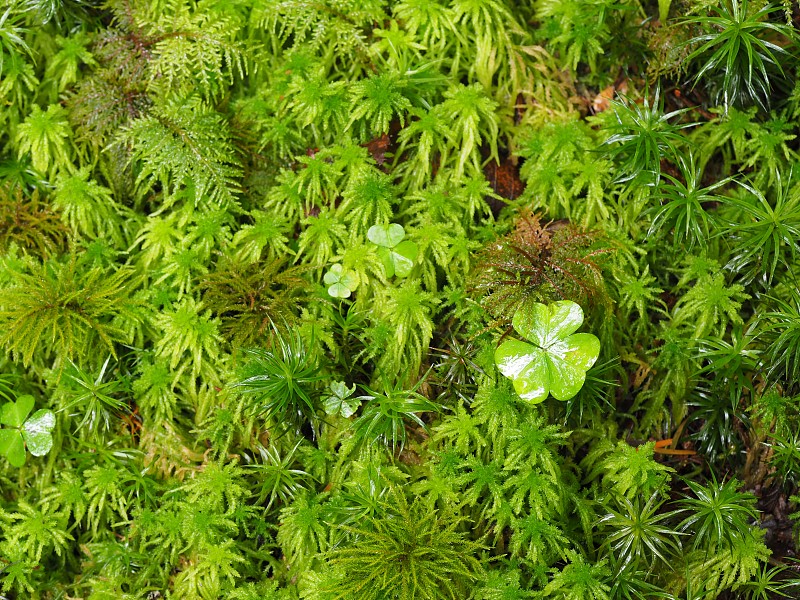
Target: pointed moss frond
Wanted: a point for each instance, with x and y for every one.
(45, 135)
(64, 67)
(89, 208)
(187, 329)
(196, 49)
(411, 552)
(185, 145)
(64, 309)
(335, 25)
(29, 223)
(12, 35)
(250, 297)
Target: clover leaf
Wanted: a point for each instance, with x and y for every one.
(557, 360)
(13, 414)
(341, 283)
(340, 402)
(35, 432)
(397, 256)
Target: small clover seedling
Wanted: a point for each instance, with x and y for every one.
(557, 360)
(341, 283)
(397, 256)
(19, 431)
(340, 402)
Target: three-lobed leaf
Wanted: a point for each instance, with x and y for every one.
(386, 236)
(397, 255)
(20, 431)
(12, 447)
(37, 432)
(13, 414)
(557, 360)
(341, 283)
(340, 401)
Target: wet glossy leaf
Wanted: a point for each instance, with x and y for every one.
(400, 259)
(397, 256)
(557, 361)
(37, 432)
(386, 236)
(340, 283)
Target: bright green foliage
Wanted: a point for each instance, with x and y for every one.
(558, 360)
(277, 479)
(398, 256)
(339, 402)
(475, 123)
(769, 583)
(579, 579)
(765, 233)
(260, 262)
(341, 283)
(185, 145)
(413, 553)
(282, 381)
(406, 310)
(100, 401)
(12, 40)
(195, 49)
(22, 430)
(637, 532)
(711, 305)
(89, 209)
(378, 99)
(63, 308)
(36, 531)
(785, 454)
(189, 330)
(643, 135)
(732, 568)
(384, 416)
(45, 136)
(737, 52)
(303, 532)
(72, 55)
(719, 514)
(681, 210)
(780, 329)
(631, 471)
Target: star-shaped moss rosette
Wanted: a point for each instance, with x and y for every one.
(341, 283)
(557, 359)
(20, 431)
(397, 256)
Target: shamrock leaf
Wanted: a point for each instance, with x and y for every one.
(12, 447)
(557, 361)
(397, 256)
(14, 414)
(342, 283)
(35, 432)
(387, 236)
(340, 402)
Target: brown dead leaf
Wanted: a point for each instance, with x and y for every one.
(603, 100)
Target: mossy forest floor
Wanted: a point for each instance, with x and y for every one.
(399, 300)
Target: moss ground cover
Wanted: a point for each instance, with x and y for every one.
(415, 300)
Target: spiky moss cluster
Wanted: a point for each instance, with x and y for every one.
(182, 183)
